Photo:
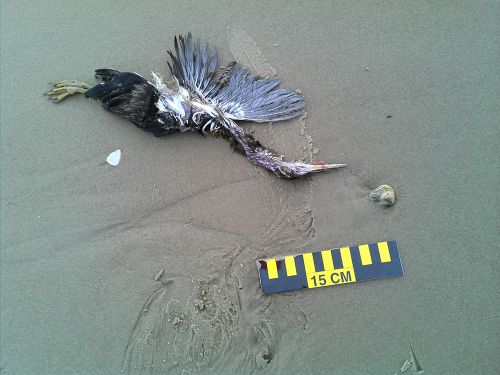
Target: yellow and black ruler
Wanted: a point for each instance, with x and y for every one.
(330, 267)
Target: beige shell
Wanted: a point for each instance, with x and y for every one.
(384, 195)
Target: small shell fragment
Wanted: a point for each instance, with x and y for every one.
(114, 158)
(405, 366)
(159, 274)
(383, 195)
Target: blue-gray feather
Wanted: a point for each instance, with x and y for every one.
(238, 93)
(250, 98)
(194, 68)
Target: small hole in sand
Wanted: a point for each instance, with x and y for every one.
(267, 357)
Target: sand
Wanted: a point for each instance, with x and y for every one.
(149, 267)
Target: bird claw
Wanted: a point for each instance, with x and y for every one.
(61, 90)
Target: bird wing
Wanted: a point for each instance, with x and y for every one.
(238, 93)
(245, 96)
(194, 66)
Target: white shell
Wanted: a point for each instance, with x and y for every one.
(114, 158)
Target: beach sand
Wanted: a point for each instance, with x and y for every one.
(149, 267)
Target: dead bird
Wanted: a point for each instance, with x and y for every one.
(202, 98)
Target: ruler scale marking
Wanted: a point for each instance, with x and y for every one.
(330, 267)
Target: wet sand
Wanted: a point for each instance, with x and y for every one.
(403, 93)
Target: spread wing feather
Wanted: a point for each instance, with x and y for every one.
(193, 66)
(251, 98)
(234, 90)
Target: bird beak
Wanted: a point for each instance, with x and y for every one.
(325, 167)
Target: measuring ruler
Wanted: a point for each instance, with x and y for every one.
(330, 267)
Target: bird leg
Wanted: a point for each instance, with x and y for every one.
(61, 90)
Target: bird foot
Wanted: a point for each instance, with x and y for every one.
(61, 90)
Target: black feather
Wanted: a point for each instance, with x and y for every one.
(126, 94)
